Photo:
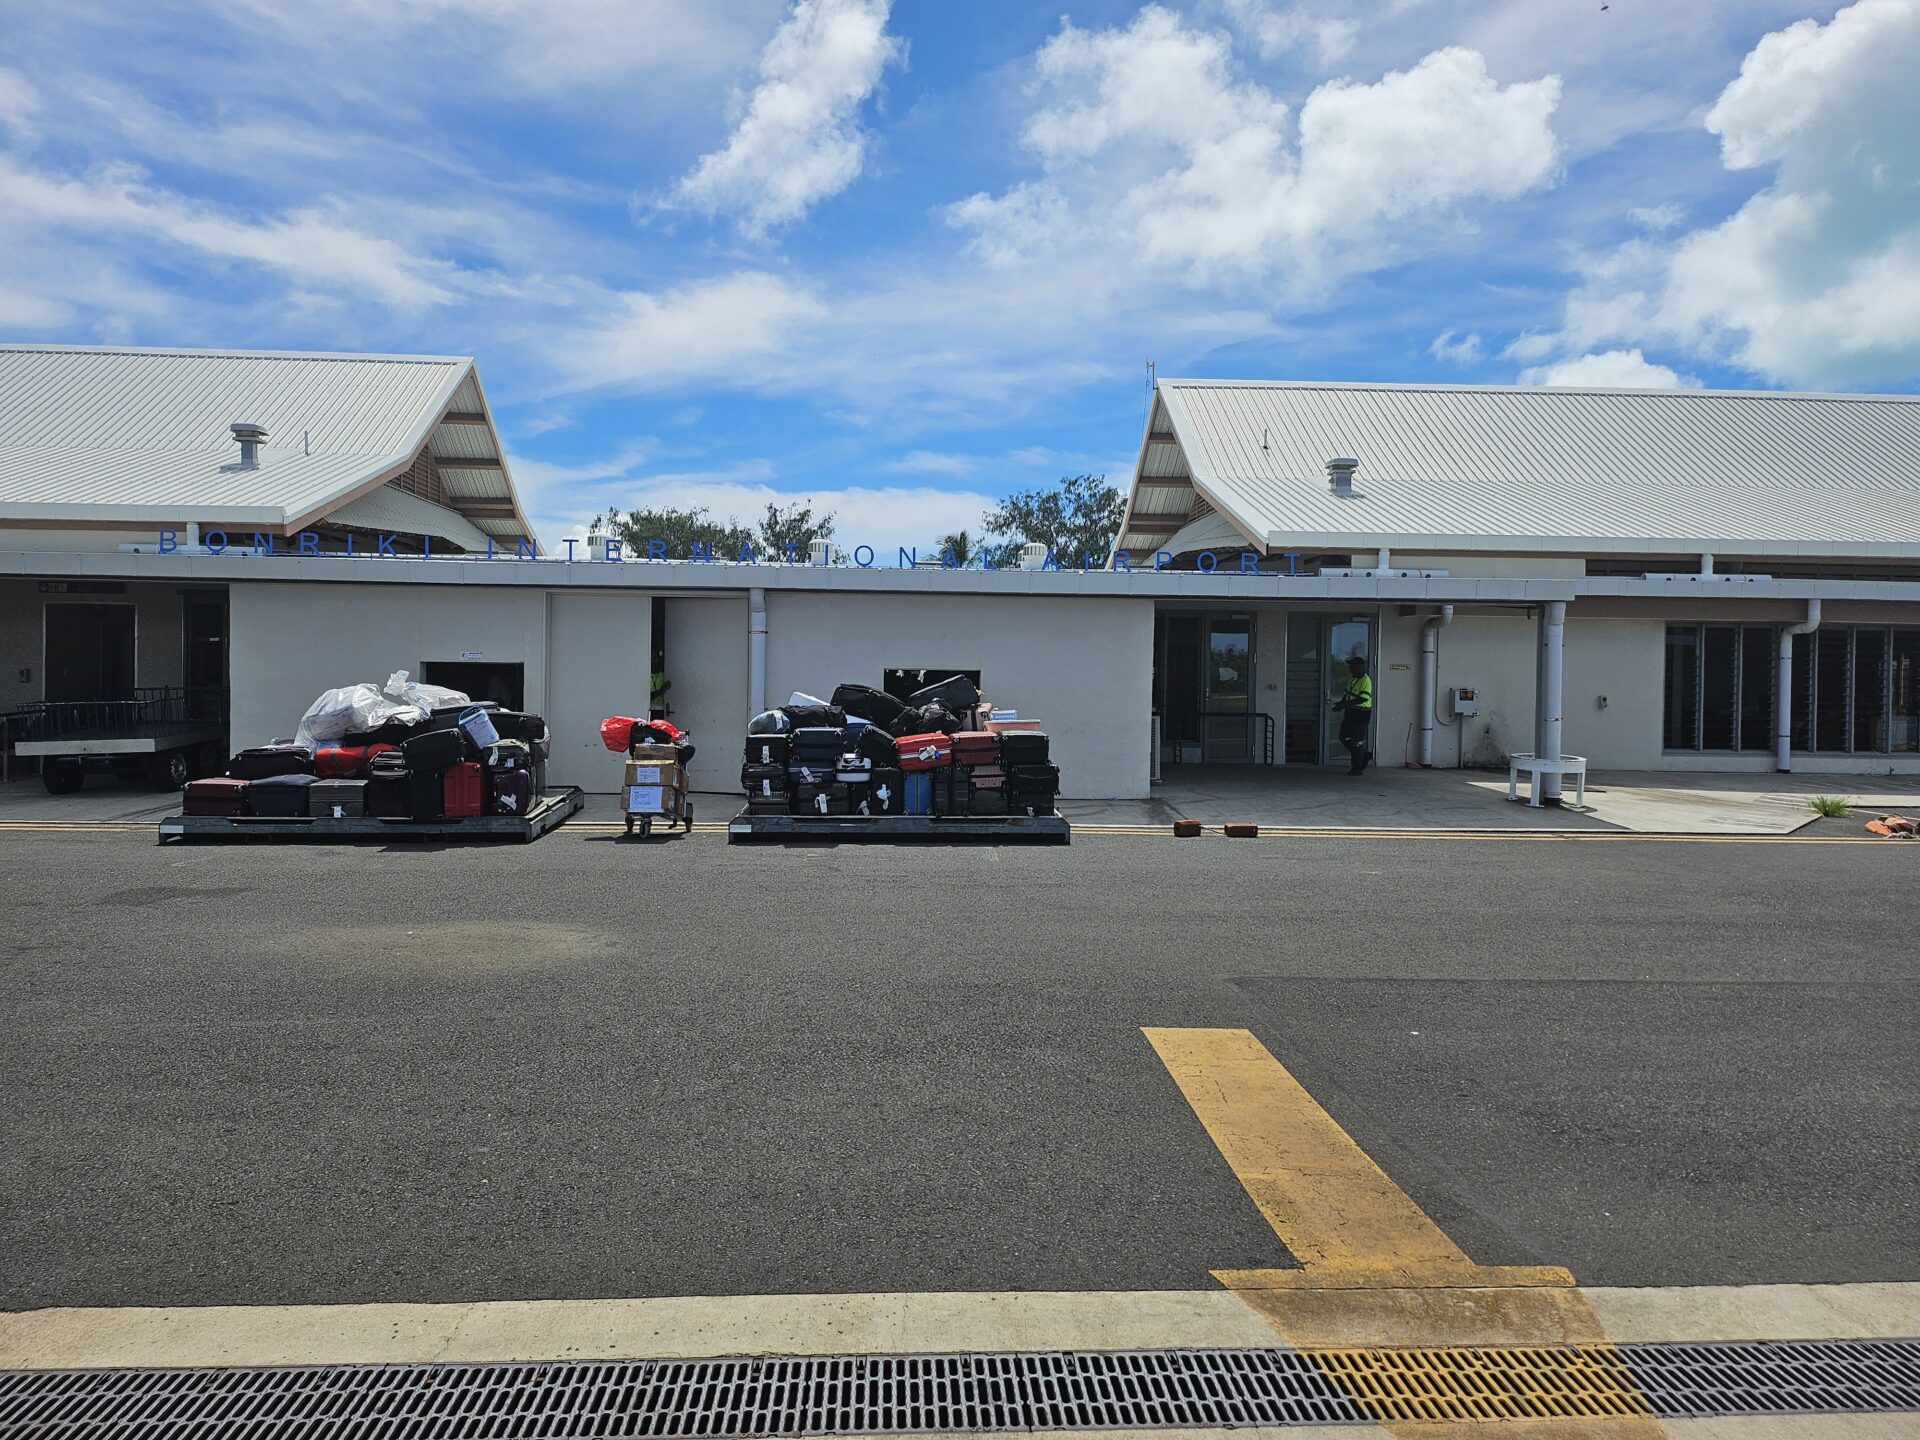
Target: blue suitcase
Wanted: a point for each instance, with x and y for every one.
(919, 791)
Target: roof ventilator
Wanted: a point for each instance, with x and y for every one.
(1340, 474)
(249, 435)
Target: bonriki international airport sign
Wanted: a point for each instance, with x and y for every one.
(614, 552)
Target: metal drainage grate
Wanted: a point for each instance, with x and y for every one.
(863, 1395)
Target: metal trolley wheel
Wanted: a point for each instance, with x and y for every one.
(646, 822)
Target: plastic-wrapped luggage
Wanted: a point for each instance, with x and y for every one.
(770, 722)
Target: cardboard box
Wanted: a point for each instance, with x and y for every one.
(653, 800)
(653, 752)
(655, 772)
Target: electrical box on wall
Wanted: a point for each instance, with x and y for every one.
(1466, 700)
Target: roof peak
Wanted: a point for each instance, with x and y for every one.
(1409, 387)
(228, 352)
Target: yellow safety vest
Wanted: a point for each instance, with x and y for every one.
(1359, 693)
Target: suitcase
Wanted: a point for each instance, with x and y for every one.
(930, 751)
(337, 799)
(281, 796)
(465, 790)
(427, 793)
(804, 717)
(1033, 777)
(774, 804)
(887, 791)
(986, 777)
(435, 750)
(389, 764)
(1023, 747)
(976, 747)
(986, 802)
(764, 780)
(1033, 789)
(949, 794)
(956, 692)
(509, 792)
(830, 799)
(815, 740)
(917, 792)
(264, 761)
(510, 755)
(216, 797)
(768, 749)
(869, 704)
(519, 725)
(339, 762)
(852, 770)
(877, 745)
(390, 797)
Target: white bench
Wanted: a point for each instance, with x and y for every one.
(1574, 765)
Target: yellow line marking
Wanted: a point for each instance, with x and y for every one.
(1376, 1271)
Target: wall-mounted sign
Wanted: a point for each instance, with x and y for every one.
(470, 655)
(83, 587)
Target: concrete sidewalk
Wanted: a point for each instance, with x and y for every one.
(1642, 802)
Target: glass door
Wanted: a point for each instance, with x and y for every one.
(1344, 640)
(1228, 689)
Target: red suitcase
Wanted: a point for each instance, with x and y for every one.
(932, 751)
(216, 797)
(464, 795)
(976, 747)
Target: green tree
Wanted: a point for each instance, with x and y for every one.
(1079, 516)
(960, 543)
(793, 525)
(680, 529)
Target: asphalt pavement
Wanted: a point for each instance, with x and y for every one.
(587, 1068)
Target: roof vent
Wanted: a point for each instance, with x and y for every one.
(1340, 474)
(249, 435)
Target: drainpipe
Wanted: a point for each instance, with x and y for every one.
(1706, 563)
(1430, 679)
(756, 650)
(1783, 689)
(1553, 632)
(1385, 562)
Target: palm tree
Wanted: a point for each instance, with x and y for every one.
(960, 543)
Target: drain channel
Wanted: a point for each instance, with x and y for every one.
(878, 1394)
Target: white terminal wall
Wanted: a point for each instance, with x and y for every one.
(1082, 665)
(706, 644)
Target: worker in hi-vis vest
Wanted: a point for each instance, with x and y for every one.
(1356, 713)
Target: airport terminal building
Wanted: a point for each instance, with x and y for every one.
(1681, 580)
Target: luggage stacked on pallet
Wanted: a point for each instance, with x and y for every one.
(940, 751)
(453, 762)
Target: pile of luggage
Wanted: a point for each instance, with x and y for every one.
(455, 763)
(941, 751)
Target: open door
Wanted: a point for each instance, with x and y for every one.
(89, 651)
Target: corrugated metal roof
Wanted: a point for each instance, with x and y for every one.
(1519, 468)
(93, 433)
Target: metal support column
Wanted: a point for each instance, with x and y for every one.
(756, 651)
(1553, 631)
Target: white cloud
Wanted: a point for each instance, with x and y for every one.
(1816, 279)
(799, 139)
(18, 100)
(703, 331)
(1608, 370)
(1277, 29)
(1454, 348)
(20, 310)
(930, 462)
(314, 245)
(1155, 147)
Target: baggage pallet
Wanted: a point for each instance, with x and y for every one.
(747, 827)
(548, 811)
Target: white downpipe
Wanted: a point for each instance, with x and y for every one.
(1706, 563)
(1385, 562)
(756, 650)
(1430, 679)
(1783, 689)
(1553, 634)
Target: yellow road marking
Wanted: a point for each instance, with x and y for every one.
(1376, 1271)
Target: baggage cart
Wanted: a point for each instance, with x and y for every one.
(655, 790)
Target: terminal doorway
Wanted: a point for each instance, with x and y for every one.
(1318, 648)
(1204, 691)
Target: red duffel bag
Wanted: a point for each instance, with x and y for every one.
(345, 762)
(616, 733)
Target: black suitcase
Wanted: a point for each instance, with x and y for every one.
(870, 704)
(337, 799)
(510, 755)
(390, 797)
(764, 780)
(518, 725)
(1023, 747)
(813, 741)
(1033, 777)
(426, 791)
(986, 802)
(831, 717)
(956, 692)
(508, 792)
(949, 794)
(774, 804)
(801, 772)
(925, 719)
(768, 749)
(262, 762)
(435, 750)
(280, 795)
(830, 799)
(388, 764)
(887, 791)
(875, 744)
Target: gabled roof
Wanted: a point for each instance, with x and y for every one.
(105, 434)
(1530, 469)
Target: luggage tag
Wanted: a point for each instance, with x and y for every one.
(820, 803)
(883, 794)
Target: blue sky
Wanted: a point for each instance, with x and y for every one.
(904, 258)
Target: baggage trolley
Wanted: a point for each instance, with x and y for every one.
(645, 818)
